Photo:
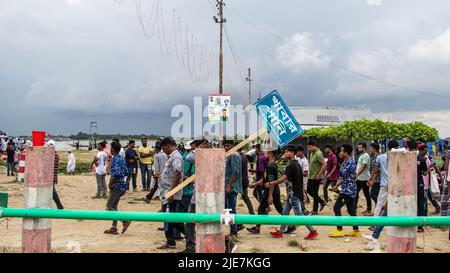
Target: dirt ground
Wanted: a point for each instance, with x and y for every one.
(87, 236)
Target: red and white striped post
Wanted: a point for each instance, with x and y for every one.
(402, 200)
(38, 193)
(21, 173)
(4, 156)
(210, 198)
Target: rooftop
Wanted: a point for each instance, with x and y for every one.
(310, 117)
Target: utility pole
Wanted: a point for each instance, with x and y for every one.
(220, 4)
(249, 79)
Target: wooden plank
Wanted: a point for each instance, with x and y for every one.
(230, 152)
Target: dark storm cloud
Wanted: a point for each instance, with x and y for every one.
(63, 63)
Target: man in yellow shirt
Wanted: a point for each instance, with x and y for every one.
(145, 163)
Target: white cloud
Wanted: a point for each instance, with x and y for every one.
(436, 50)
(73, 2)
(435, 119)
(373, 2)
(303, 52)
(423, 65)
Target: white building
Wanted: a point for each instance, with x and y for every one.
(311, 117)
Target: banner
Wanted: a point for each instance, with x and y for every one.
(278, 119)
(219, 108)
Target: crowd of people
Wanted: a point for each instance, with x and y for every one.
(341, 171)
(12, 147)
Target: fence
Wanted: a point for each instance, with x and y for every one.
(403, 221)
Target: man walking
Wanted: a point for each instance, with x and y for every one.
(233, 181)
(381, 170)
(260, 171)
(51, 143)
(374, 182)
(348, 191)
(317, 166)
(71, 163)
(245, 182)
(422, 171)
(171, 177)
(160, 162)
(363, 176)
(303, 161)
(189, 171)
(332, 170)
(272, 194)
(431, 164)
(293, 176)
(117, 186)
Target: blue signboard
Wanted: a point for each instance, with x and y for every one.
(277, 117)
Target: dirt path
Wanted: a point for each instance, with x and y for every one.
(76, 192)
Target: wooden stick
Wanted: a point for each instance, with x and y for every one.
(230, 152)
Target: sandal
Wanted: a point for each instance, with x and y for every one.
(112, 230)
(126, 224)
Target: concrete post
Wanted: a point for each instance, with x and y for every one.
(402, 200)
(38, 193)
(21, 173)
(210, 198)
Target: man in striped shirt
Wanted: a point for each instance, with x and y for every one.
(58, 203)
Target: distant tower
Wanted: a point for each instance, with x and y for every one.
(93, 131)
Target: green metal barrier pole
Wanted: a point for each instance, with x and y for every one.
(110, 215)
(342, 220)
(215, 218)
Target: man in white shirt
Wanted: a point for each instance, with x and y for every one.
(99, 163)
(4, 145)
(122, 150)
(362, 177)
(160, 163)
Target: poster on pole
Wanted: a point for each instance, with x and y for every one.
(278, 119)
(219, 108)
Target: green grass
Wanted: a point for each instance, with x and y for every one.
(293, 243)
(256, 250)
(83, 161)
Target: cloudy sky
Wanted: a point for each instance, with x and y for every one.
(63, 62)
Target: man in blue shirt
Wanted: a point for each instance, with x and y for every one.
(117, 185)
(348, 191)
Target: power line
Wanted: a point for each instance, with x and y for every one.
(212, 5)
(339, 66)
(233, 53)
